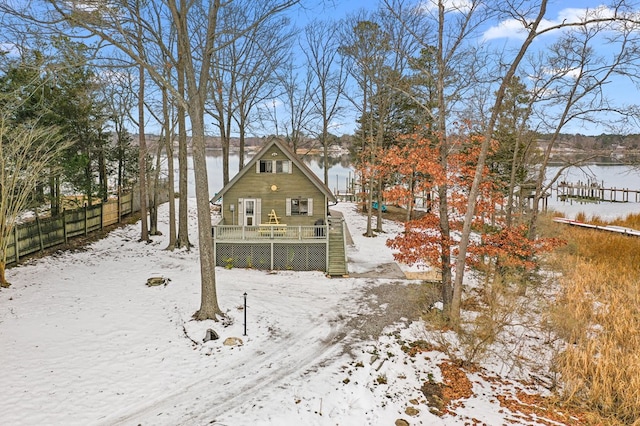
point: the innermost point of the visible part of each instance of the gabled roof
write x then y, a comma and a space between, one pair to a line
251, 165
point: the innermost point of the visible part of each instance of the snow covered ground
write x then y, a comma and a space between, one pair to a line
86, 342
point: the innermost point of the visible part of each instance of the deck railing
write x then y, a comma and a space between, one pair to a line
269, 232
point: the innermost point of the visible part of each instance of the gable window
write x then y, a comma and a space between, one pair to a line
282, 166
266, 166
299, 207
273, 166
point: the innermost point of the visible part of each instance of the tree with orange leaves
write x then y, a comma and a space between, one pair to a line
424, 241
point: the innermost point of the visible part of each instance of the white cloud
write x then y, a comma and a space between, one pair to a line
9, 48
512, 28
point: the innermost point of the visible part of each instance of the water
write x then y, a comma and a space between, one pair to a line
341, 174
608, 176
340, 171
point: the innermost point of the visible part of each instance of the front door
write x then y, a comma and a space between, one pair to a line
249, 212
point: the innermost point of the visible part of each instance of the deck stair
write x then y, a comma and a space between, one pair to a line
337, 259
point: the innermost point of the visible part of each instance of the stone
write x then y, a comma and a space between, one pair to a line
154, 281
233, 341
402, 422
211, 335
410, 411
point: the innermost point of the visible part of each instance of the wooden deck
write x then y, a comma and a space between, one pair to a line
230, 233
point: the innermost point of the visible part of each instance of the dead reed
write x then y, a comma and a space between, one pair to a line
598, 316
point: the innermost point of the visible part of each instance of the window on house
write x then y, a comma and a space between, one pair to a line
273, 166
282, 166
299, 207
266, 166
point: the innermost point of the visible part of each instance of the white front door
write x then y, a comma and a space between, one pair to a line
249, 212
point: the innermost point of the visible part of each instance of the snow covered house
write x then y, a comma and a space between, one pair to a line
275, 216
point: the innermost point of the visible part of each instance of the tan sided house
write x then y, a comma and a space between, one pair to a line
275, 216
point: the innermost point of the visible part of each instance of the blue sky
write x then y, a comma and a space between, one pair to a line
496, 33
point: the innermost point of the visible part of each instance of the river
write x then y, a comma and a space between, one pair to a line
607, 176
341, 173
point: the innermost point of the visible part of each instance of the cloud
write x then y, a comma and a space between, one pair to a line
512, 28
10, 49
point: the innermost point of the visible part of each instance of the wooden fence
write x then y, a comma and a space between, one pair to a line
43, 233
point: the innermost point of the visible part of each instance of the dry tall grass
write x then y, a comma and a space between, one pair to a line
598, 315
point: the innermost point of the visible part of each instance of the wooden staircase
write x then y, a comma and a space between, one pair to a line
337, 249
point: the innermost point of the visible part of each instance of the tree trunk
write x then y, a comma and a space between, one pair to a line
102, 171
155, 200
168, 130
224, 140
379, 212
477, 179
241, 149
142, 158
3, 280
209, 308
325, 153
183, 214
512, 183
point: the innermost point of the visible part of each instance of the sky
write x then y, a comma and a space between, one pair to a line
506, 32
503, 33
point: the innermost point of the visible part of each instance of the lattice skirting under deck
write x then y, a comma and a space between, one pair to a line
273, 256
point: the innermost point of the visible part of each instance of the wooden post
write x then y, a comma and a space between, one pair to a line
119, 204
86, 221
64, 225
16, 241
39, 232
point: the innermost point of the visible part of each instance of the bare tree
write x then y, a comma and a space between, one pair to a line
576, 92
197, 32
183, 223
298, 104
323, 59
168, 130
29, 153
244, 72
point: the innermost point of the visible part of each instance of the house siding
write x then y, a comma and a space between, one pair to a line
289, 185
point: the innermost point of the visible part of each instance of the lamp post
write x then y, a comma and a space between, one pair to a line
245, 314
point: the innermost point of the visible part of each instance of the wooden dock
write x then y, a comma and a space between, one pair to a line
609, 228
592, 191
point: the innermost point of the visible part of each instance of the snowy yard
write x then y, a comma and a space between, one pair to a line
86, 342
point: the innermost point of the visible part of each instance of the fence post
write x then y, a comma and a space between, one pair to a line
64, 225
86, 221
102, 215
39, 232
15, 239
119, 204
